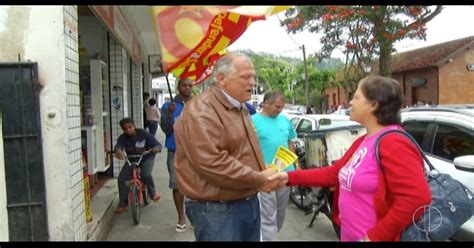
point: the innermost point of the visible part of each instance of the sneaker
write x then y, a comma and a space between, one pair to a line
181, 228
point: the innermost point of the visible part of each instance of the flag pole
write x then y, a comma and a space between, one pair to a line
169, 87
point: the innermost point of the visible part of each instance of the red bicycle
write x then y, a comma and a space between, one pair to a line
138, 191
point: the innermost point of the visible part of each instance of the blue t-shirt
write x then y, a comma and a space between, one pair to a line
142, 139
167, 123
273, 133
251, 108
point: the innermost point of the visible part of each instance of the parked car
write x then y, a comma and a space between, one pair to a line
306, 123
342, 111
291, 112
446, 135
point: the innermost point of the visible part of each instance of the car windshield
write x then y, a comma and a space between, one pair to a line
470, 110
339, 123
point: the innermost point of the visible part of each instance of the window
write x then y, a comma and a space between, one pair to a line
294, 121
452, 141
417, 129
304, 126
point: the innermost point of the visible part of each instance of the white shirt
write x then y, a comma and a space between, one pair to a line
233, 101
153, 113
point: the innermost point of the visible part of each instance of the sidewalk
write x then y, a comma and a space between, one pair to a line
106, 199
158, 220
102, 208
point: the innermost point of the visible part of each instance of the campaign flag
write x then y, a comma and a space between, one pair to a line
192, 38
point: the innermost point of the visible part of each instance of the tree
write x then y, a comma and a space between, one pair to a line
362, 31
319, 81
273, 73
277, 73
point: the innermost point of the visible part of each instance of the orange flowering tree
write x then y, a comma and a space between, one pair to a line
362, 31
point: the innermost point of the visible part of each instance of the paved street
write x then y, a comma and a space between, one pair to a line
159, 219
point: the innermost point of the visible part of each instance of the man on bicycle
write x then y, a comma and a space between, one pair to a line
135, 141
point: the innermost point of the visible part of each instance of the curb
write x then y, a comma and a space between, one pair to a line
103, 207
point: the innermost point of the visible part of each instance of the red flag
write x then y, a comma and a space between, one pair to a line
193, 38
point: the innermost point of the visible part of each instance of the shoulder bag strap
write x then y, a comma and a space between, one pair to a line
379, 139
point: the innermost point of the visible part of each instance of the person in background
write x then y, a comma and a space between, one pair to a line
273, 130
146, 97
251, 108
371, 204
135, 141
219, 165
153, 116
420, 103
309, 110
170, 112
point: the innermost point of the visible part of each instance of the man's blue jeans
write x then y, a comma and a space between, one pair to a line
237, 220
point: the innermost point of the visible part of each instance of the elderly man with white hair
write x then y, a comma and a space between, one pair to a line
219, 165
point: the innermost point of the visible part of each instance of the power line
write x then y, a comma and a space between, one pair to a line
286, 31
288, 51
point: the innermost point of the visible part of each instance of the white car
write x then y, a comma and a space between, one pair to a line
290, 113
306, 123
446, 135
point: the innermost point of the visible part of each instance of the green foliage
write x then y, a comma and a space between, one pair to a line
330, 64
278, 73
362, 31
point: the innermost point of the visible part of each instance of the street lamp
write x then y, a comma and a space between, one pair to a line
303, 76
293, 83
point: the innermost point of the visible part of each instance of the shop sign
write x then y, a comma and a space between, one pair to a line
106, 13
123, 30
118, 25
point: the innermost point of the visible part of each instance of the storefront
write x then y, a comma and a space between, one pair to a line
86, 74
111, 86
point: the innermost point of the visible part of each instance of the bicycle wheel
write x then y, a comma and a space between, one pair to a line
135, 203
300, 196
146, 196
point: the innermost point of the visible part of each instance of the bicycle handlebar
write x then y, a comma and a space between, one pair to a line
135, 156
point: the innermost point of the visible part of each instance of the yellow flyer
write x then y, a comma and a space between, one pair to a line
283, 159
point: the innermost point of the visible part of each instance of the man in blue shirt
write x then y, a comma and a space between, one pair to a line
170, 112
274, 130
135, 141
251, 108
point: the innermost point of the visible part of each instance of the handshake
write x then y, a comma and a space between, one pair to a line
273, 180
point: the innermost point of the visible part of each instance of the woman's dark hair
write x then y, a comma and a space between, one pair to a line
388, 94
125, 121
152, 101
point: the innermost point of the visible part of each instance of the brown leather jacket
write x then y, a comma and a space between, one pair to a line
218, 154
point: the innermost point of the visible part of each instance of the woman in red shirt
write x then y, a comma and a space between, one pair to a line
371, 204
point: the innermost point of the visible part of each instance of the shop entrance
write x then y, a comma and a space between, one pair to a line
94, 86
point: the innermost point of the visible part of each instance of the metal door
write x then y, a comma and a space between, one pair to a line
24, 171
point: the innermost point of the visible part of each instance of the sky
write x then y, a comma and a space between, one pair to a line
452, 23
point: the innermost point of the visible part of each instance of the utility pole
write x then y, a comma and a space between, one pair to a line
305, 77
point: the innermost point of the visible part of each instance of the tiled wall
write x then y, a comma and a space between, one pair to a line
137, 102
117, 86
76, 185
